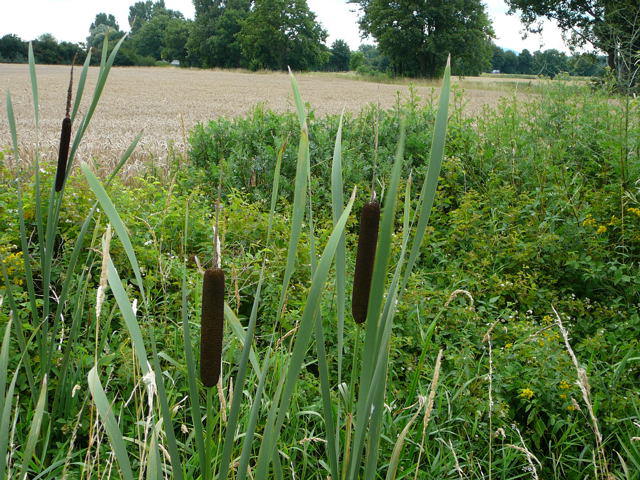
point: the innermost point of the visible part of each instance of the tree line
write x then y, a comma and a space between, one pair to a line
412, 38
548, 63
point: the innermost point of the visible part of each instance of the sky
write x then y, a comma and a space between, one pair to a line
70, 19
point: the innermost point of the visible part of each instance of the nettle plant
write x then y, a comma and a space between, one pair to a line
237, 416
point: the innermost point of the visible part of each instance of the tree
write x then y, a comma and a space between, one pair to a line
525, 62
176, 37
612, 26
340, 56
510, 64
142, 12
283, 33
497, 60
213, 41
12, 49
149, 40
418, 36
550, 62
103, 24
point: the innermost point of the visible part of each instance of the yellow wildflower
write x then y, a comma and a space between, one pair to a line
526, 393
564, 385
601, 229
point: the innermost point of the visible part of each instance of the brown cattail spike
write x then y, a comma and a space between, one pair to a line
367, 242
63, 153
212, 326
65, 140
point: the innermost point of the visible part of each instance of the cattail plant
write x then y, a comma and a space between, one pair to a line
212, 320
367, 241
65, 140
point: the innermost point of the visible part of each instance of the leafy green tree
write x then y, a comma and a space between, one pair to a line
525, 62
356, 61
149, 40
586, 65
497, 59
374, 59
510, 64
141, 12
176, 37
144, 11
612, 26
213, 41
12, 49
418, 36
283, 33
550, 62
102, 25
340, 56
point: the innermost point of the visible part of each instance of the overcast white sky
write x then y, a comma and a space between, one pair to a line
70, 19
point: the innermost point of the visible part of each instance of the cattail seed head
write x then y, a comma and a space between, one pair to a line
367, 242
212, 326
65, 138
63, 153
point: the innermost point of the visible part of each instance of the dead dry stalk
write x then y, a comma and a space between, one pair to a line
585, 389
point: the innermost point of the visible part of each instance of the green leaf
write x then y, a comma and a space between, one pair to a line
110, 424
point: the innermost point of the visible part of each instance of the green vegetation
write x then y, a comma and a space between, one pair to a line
548, 63
417, 36
495, 239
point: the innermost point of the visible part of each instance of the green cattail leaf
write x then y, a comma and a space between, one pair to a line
374, 325
337, 206
279, 410
116, 221
154, 465
24, 241
174, 453
81, 82
34, 86
105, 68
5, 422
34, 430
110, 424
430, 185
299, 203
245, 455
194, 394
4, 362
129, 316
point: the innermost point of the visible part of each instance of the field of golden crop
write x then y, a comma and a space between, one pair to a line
167, 102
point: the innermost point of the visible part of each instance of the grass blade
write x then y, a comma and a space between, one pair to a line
34, 431
110, 424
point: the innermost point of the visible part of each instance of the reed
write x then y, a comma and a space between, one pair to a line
367, 242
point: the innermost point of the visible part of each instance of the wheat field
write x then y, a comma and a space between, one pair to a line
167, 102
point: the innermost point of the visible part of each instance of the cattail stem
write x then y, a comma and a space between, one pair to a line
367, 243
212, 326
